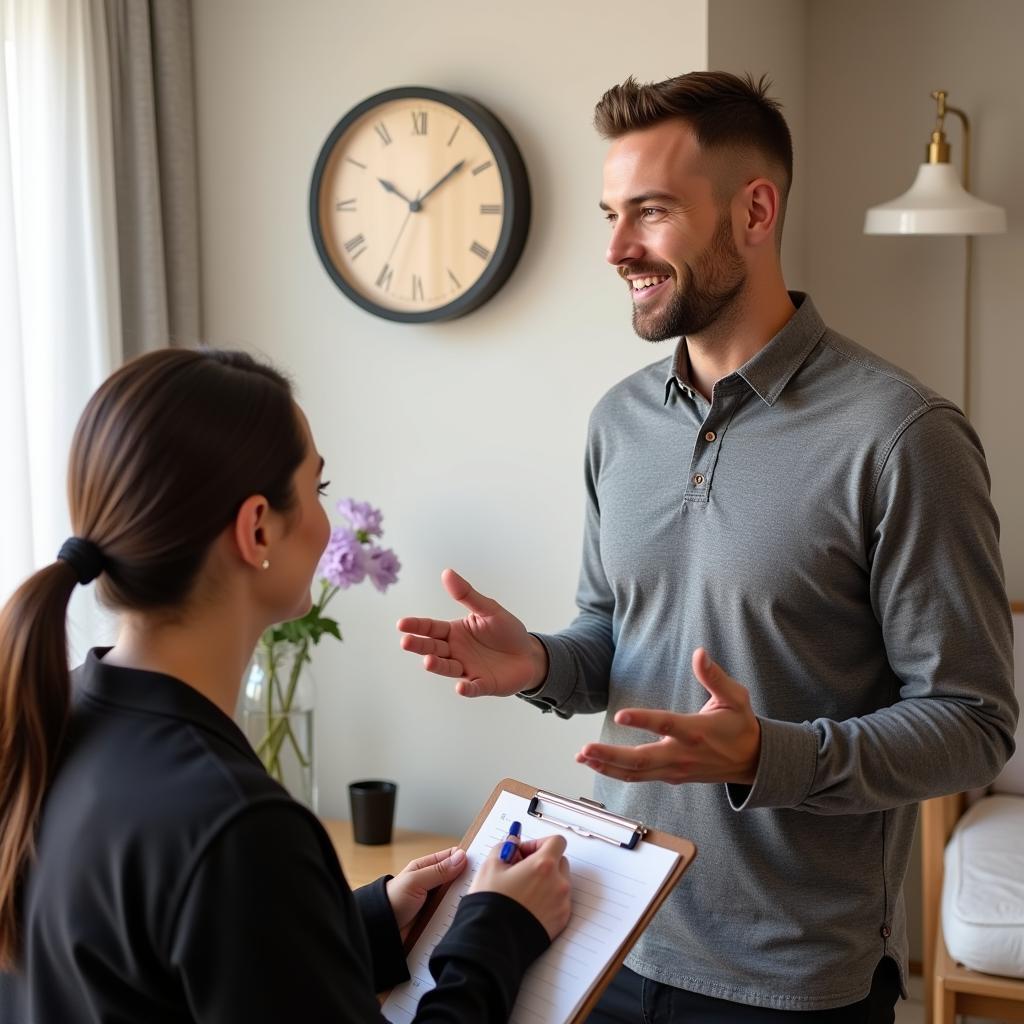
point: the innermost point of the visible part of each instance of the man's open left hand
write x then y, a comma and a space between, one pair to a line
721, 743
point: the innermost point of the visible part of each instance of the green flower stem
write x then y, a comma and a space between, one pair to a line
271, 735
280, 735
295, 744
279, 728
271, 759
301, 657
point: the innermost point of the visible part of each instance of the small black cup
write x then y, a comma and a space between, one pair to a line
373, 811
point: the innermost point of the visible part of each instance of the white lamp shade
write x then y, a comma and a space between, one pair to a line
936, 204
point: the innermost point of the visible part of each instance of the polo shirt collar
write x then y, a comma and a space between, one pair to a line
770, 370
679, 374
155, 693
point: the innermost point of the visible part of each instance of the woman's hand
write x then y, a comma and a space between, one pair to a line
407, 891
539, 880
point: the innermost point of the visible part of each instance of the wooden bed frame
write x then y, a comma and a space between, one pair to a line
949, 987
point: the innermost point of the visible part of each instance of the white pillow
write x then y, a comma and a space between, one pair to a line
983, 888
1011, 779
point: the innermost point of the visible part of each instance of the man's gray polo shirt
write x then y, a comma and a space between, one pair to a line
824, 529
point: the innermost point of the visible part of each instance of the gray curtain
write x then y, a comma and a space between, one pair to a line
155, 171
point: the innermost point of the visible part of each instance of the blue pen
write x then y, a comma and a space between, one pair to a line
511, 844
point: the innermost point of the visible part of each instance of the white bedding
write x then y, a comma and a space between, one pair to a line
983, 888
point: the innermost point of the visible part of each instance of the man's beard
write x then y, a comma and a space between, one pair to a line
710, 289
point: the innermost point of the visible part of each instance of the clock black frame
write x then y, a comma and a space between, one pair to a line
517, 202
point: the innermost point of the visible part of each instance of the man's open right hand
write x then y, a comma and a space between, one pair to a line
489, 651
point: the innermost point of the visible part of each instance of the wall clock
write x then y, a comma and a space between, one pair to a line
419, 204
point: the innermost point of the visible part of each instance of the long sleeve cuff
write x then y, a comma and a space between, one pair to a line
785, 771
389, 966
560, 682
492, 937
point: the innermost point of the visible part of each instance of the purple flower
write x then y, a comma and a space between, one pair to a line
362, 515
344, 561
382, 566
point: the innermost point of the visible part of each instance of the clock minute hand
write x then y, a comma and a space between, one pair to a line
438, 184
414, 204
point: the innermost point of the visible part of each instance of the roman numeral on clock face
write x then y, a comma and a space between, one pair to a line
356, 246
482, 167
345, 206
490, 208
384, 277
480, 251
419, 122
417, 288
382, 130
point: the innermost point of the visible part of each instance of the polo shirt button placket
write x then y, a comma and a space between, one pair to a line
698, 479
703, 455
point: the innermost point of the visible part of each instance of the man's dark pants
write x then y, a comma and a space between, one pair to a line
631, 999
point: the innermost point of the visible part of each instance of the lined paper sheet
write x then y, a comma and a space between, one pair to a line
611, 889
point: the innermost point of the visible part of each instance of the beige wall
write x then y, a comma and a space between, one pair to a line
871, 67
770, 39
469, 435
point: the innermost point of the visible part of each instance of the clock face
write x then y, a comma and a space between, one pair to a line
419, 205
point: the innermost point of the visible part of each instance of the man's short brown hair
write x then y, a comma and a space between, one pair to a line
725, 112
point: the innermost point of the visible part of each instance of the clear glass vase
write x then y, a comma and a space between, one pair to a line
277, 716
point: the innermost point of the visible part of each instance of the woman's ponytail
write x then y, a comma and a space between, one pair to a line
34, 703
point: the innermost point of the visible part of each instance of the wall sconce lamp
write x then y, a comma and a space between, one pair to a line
939, 204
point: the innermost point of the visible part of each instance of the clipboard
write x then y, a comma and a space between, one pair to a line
592, 822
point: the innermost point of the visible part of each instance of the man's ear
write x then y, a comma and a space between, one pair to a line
762, 207
253, 532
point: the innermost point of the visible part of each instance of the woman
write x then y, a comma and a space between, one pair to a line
150, 870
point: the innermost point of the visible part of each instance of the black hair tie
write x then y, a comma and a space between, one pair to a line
83, 556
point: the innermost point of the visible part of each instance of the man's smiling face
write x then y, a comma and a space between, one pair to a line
672, 239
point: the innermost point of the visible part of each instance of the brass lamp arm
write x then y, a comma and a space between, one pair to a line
938, 148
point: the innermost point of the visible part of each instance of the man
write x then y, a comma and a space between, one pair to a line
780, 500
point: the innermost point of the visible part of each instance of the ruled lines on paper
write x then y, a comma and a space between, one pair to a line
611, 889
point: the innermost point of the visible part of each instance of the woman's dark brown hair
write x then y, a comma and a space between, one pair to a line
163, 456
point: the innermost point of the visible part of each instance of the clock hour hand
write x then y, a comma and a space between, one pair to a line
438, 184
414, 204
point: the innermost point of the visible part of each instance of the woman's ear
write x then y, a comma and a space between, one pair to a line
253, 531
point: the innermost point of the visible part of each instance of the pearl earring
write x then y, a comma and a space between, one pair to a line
265, 564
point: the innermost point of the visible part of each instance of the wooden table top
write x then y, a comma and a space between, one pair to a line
362, 864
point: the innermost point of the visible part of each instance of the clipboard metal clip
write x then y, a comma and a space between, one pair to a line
616, 830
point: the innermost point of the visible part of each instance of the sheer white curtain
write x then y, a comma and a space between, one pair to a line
60, 321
